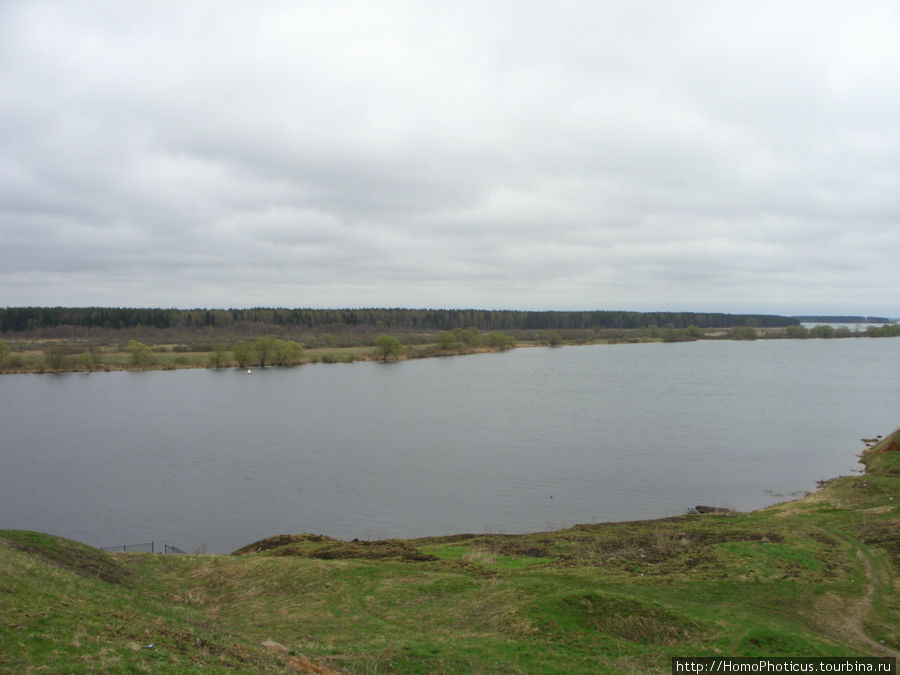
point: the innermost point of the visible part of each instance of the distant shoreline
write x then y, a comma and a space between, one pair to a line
165, 349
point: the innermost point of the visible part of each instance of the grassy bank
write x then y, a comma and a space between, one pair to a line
170, 349
68, 355
162, 351
812, 577
32, 358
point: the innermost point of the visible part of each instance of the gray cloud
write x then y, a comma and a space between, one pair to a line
643, 155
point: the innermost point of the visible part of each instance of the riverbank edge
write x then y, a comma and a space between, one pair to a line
337, 355
175, 356
812, 576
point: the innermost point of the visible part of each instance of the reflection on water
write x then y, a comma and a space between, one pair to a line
525, 440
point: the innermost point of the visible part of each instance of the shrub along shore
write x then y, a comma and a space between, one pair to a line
813, 577
67, 348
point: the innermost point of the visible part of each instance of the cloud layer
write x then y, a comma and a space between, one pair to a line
613, 155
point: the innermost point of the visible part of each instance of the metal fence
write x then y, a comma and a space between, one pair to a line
149, 547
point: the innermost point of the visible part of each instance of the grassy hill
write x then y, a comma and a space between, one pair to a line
812, 577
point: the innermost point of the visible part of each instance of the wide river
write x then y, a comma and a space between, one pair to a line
527, 440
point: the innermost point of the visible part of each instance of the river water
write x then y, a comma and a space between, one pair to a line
526, 440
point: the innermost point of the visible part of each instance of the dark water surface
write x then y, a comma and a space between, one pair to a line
527, 440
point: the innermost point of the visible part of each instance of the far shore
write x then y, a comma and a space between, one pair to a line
81, 355
121, 351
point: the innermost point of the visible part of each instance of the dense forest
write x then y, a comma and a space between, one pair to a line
843, 319
36, 319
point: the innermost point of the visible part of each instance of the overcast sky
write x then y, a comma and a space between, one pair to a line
687, 156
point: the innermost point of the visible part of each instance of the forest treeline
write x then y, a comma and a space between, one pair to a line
35, 319
843, 319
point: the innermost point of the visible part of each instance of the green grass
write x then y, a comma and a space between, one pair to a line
69, 608
813, 577
339, 354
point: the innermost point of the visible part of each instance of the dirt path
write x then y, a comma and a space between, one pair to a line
848, 619
861, 609
300, 664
